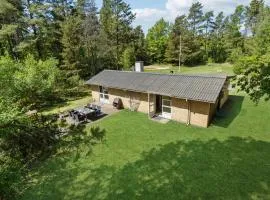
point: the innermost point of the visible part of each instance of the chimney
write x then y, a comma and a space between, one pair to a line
139, 67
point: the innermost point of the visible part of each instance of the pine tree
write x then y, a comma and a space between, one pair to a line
208, 28
195, 18
139, 44
90, 40
254, 14
217, 49
73, 50
116, 19
11, 31
233, 36
190, 49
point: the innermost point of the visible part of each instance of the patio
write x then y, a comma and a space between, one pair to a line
104, 111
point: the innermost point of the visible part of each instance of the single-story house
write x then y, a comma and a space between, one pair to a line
191, 99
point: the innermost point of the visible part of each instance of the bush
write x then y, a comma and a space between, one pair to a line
235, 55
28, 82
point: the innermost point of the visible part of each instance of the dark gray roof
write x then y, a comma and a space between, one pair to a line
204, 88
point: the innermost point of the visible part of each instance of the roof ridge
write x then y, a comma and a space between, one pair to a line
158, 73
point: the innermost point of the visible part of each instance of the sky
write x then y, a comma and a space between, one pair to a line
149, 11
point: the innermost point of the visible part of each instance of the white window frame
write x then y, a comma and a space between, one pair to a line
166, 114
103, 95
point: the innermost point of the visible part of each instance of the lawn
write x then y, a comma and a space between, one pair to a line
211, 68
142, 159
67, 105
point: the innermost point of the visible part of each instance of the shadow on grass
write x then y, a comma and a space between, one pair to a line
225, 116
233, 169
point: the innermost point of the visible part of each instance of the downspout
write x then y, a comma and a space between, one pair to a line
130, 105
188, 115
149, 106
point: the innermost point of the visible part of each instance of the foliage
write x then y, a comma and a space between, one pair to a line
156, 41
139, 44
254, 71
116, 18
195, 17
128, 58
254, 76
28, 82
72, 47
190, 49
262, 39
27, 141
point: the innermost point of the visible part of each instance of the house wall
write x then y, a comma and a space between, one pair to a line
225, 93
179, 110
213, 109
137, 101
95, 93
129, 99
200, 113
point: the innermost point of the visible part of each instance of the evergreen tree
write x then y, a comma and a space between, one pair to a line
195, 18
233, 36
72, 46
217, 50
139, 44
116, 19
11, 30
208, 28
262, 37
90, 40
254, 14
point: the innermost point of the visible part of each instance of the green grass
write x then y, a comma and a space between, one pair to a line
142, 159
200, 69
67, 105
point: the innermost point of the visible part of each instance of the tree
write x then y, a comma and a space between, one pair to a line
157, 39
208, 28
139, 44
30, 82
195, 18
217, 50
262, 37
90, 39
233, 36
254, 71
11, 13
72, 47
254, 76
128, 58
254, 15
116, 19
188, 46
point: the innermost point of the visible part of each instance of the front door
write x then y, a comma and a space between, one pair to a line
166, 107
103, 95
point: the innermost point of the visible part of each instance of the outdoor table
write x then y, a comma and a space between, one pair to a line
85, 111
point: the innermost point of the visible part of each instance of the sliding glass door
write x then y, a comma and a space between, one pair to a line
103, 95
166, 107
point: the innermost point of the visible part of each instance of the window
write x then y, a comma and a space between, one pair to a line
166, 109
